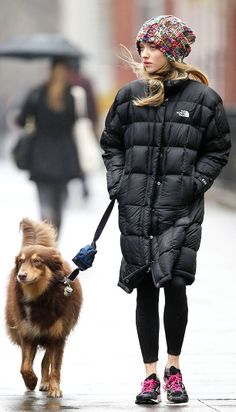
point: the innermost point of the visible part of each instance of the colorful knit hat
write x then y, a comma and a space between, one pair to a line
171, 35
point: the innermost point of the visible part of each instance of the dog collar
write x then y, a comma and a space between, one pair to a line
67, 282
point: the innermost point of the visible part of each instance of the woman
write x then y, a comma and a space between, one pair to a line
165, 141
54, 160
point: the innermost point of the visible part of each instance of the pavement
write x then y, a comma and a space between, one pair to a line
222, 195
102, 368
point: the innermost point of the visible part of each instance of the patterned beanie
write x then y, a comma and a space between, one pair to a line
171, 35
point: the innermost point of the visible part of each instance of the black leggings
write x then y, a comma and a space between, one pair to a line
147, 317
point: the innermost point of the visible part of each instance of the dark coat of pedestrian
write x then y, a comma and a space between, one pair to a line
165, 141
54, 158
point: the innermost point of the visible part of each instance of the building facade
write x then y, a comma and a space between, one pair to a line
102, 25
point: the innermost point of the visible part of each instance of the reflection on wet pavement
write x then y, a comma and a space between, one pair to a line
32, 401
35, 401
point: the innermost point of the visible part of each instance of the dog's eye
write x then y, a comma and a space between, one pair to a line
37, 262
20, 261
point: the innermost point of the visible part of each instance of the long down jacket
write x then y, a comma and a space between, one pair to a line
160, 162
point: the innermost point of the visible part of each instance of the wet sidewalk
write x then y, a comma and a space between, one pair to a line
102, 367
33, 402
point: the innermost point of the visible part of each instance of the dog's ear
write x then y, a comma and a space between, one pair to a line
37, 233
17, 263
53, 260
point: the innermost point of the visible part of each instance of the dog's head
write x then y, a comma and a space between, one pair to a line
38, 264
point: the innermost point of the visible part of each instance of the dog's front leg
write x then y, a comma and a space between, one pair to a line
56, 355
45, 371
28, 355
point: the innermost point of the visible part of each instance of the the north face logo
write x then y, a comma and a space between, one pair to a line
183, 113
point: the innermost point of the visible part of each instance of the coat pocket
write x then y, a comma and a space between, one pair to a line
121, 187
198, 187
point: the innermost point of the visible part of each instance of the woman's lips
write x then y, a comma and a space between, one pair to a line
147, 63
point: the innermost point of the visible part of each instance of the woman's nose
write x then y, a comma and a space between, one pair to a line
145, 52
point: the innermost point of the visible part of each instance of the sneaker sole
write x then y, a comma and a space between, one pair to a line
148, 401
177, 401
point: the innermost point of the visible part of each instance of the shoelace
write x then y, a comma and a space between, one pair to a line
149, 385
174, 383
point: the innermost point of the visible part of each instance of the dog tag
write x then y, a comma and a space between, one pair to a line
68, 290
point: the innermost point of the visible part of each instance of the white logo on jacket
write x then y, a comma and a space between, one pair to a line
183, 113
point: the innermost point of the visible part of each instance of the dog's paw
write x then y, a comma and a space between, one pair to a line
54, 392
30, 379
44, 386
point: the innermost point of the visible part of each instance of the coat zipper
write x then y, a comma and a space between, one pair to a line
157, 181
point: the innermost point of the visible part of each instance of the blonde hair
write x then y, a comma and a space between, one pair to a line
155, 81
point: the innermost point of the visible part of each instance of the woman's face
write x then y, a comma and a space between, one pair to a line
59, 73
152, 58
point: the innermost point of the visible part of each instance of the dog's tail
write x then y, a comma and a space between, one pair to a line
37, 233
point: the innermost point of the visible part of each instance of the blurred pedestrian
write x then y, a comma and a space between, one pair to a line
86, 132
77, 78
54, 160
165, 141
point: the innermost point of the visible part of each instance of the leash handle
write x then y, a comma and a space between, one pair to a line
73, 274
103, 222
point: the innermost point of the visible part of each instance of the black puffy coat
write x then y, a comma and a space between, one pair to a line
159, 162
54, 156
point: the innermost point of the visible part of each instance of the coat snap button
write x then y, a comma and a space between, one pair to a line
158, 183
151, 237
126, 280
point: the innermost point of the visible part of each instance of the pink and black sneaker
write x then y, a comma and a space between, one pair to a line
150, 393
176, 392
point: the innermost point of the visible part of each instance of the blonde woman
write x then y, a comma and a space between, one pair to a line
165, 141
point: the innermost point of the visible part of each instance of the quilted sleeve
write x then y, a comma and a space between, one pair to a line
112, 144
214, 150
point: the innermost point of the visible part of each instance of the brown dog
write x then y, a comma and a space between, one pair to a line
38, 313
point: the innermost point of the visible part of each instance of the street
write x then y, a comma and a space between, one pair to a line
102, 367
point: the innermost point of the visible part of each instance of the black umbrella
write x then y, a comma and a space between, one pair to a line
37, 46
